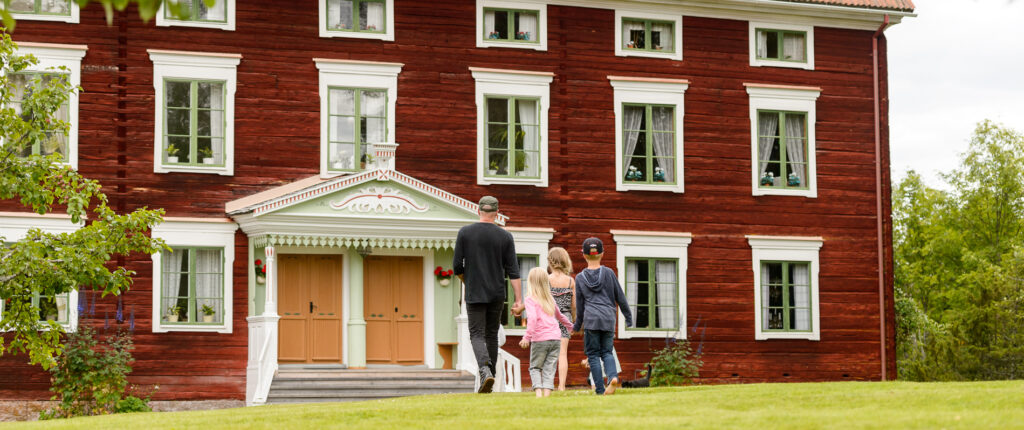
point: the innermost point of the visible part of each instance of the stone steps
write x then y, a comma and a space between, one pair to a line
310, 385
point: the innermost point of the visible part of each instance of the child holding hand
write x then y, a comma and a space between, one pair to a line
542, 333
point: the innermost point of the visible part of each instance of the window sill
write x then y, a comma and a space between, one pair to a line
166, 22
626, 52
194, 328
484, 43
71, 19
488, 180
514, 331
215, 170
656, 334
779, 63
809, 193
788, 335
386, 36
626, 186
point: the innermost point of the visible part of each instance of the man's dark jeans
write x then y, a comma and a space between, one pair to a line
597, 344
484, 320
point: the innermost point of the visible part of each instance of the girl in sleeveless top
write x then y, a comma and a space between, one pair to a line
563, 288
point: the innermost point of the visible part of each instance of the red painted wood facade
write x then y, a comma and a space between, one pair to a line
277, 142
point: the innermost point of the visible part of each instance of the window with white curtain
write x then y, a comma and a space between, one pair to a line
507, 24
781, 45
652, 270
786, 286
53, 142
195, 13
645, 34
357, 118
368, 19
782, 140
649, 138
51, 59
43, 10
512, 126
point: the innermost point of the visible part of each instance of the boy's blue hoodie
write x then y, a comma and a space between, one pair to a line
597, 293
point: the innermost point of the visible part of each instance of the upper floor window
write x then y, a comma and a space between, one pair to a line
194, 111
652, 270
648, 35
366, 19
649, 143
520, 24
195, 13
782, 145
781, 45
786, 287
512, 109
54, 141
43, 10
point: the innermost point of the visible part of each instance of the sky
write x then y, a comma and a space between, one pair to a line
955, 64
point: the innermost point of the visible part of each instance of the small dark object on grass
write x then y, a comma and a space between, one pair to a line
641, 382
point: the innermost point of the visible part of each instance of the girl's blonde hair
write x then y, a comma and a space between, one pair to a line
558, 259
537, 287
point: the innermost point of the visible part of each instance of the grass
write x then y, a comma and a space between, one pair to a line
867, 405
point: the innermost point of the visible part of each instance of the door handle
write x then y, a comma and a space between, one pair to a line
396, 308
310, 307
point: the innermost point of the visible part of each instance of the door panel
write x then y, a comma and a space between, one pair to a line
325, 294
410, 310
378, 310
293, 291
309, 287
393, 306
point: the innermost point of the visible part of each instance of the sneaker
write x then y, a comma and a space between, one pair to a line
486, 381
612, 384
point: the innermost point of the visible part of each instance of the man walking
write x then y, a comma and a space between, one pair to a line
485, 255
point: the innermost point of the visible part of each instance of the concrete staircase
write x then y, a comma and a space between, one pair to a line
318, 384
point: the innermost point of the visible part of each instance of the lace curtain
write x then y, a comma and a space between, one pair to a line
372, 16
628, 27
793, 46
666, 287
661, 36
765, 312
631, 133
767, 126
664, 143
527, 110
802, 294
174, 265
631, 285
209, 281
795, 150
528, 24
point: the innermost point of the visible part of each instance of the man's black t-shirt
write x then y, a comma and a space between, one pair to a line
486, 254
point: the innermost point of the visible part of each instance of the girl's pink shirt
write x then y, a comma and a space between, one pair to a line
540, 326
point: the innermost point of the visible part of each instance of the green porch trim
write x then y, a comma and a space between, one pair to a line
350, 241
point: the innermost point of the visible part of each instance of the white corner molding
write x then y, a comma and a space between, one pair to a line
808, 30
201, 66
786, 248
354, 74
790, 99
677, 34
539, 6
387, 35
228, 24
653, 244
198, 232
51, 58
71, 18
514, 83
648, 91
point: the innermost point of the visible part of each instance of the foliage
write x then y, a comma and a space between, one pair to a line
959, 259
147, 9
90, 379
46, 264
676, 364
132, 404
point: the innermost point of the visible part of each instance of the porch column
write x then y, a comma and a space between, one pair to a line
270, 305
356, 323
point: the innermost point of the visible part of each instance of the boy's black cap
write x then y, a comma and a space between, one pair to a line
593, 246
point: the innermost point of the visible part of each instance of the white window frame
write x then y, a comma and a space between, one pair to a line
677, 35
784, 98
387, 35
14, 226
786, 248
70, 19
809, 41
530, 241
213, 233
51, 57
648, 91
194, 65
511, 83
653, 244
227, 25
355, 74
542, 23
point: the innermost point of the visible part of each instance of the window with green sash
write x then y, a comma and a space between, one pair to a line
648, 35
649, 140
785, 296
781, 45
194, 122
192, 286
196, 10
54, 141
39, 7
511, 25
513, 137
652, 291
51, 308
509, 320
782, 149
356, 15
357, 117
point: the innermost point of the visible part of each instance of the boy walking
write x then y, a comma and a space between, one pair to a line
597, 293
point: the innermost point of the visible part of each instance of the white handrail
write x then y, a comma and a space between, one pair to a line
266, 373
509, 373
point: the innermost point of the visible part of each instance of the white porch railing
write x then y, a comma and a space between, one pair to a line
509, 377
262, 358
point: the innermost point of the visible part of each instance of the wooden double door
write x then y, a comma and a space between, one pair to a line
310, 306
393, 309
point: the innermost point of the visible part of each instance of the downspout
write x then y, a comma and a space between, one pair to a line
878, 195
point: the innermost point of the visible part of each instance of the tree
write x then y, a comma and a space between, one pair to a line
147, 9
44, 264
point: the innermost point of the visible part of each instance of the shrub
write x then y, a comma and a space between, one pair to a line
676, 364
132, 404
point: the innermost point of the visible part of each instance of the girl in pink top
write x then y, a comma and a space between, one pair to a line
542, 333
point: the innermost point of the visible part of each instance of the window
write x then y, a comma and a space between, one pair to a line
781, 45
365, 19
51, 308
782, 140
55, 62
512, 111
648, 35
532, 250
785, 287
508, 319
509, 24
195, 99
648, 126
43, 10
652, 271
195, 13
192, 283
651, 288
357, 109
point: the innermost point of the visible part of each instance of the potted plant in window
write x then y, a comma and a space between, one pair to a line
172, 153
207, 155
172, 313
208, 313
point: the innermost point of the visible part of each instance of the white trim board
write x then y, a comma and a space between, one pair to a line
227, 25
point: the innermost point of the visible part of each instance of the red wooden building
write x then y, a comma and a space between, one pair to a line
316, 160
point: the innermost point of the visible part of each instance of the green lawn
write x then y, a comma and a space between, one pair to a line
994, 405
